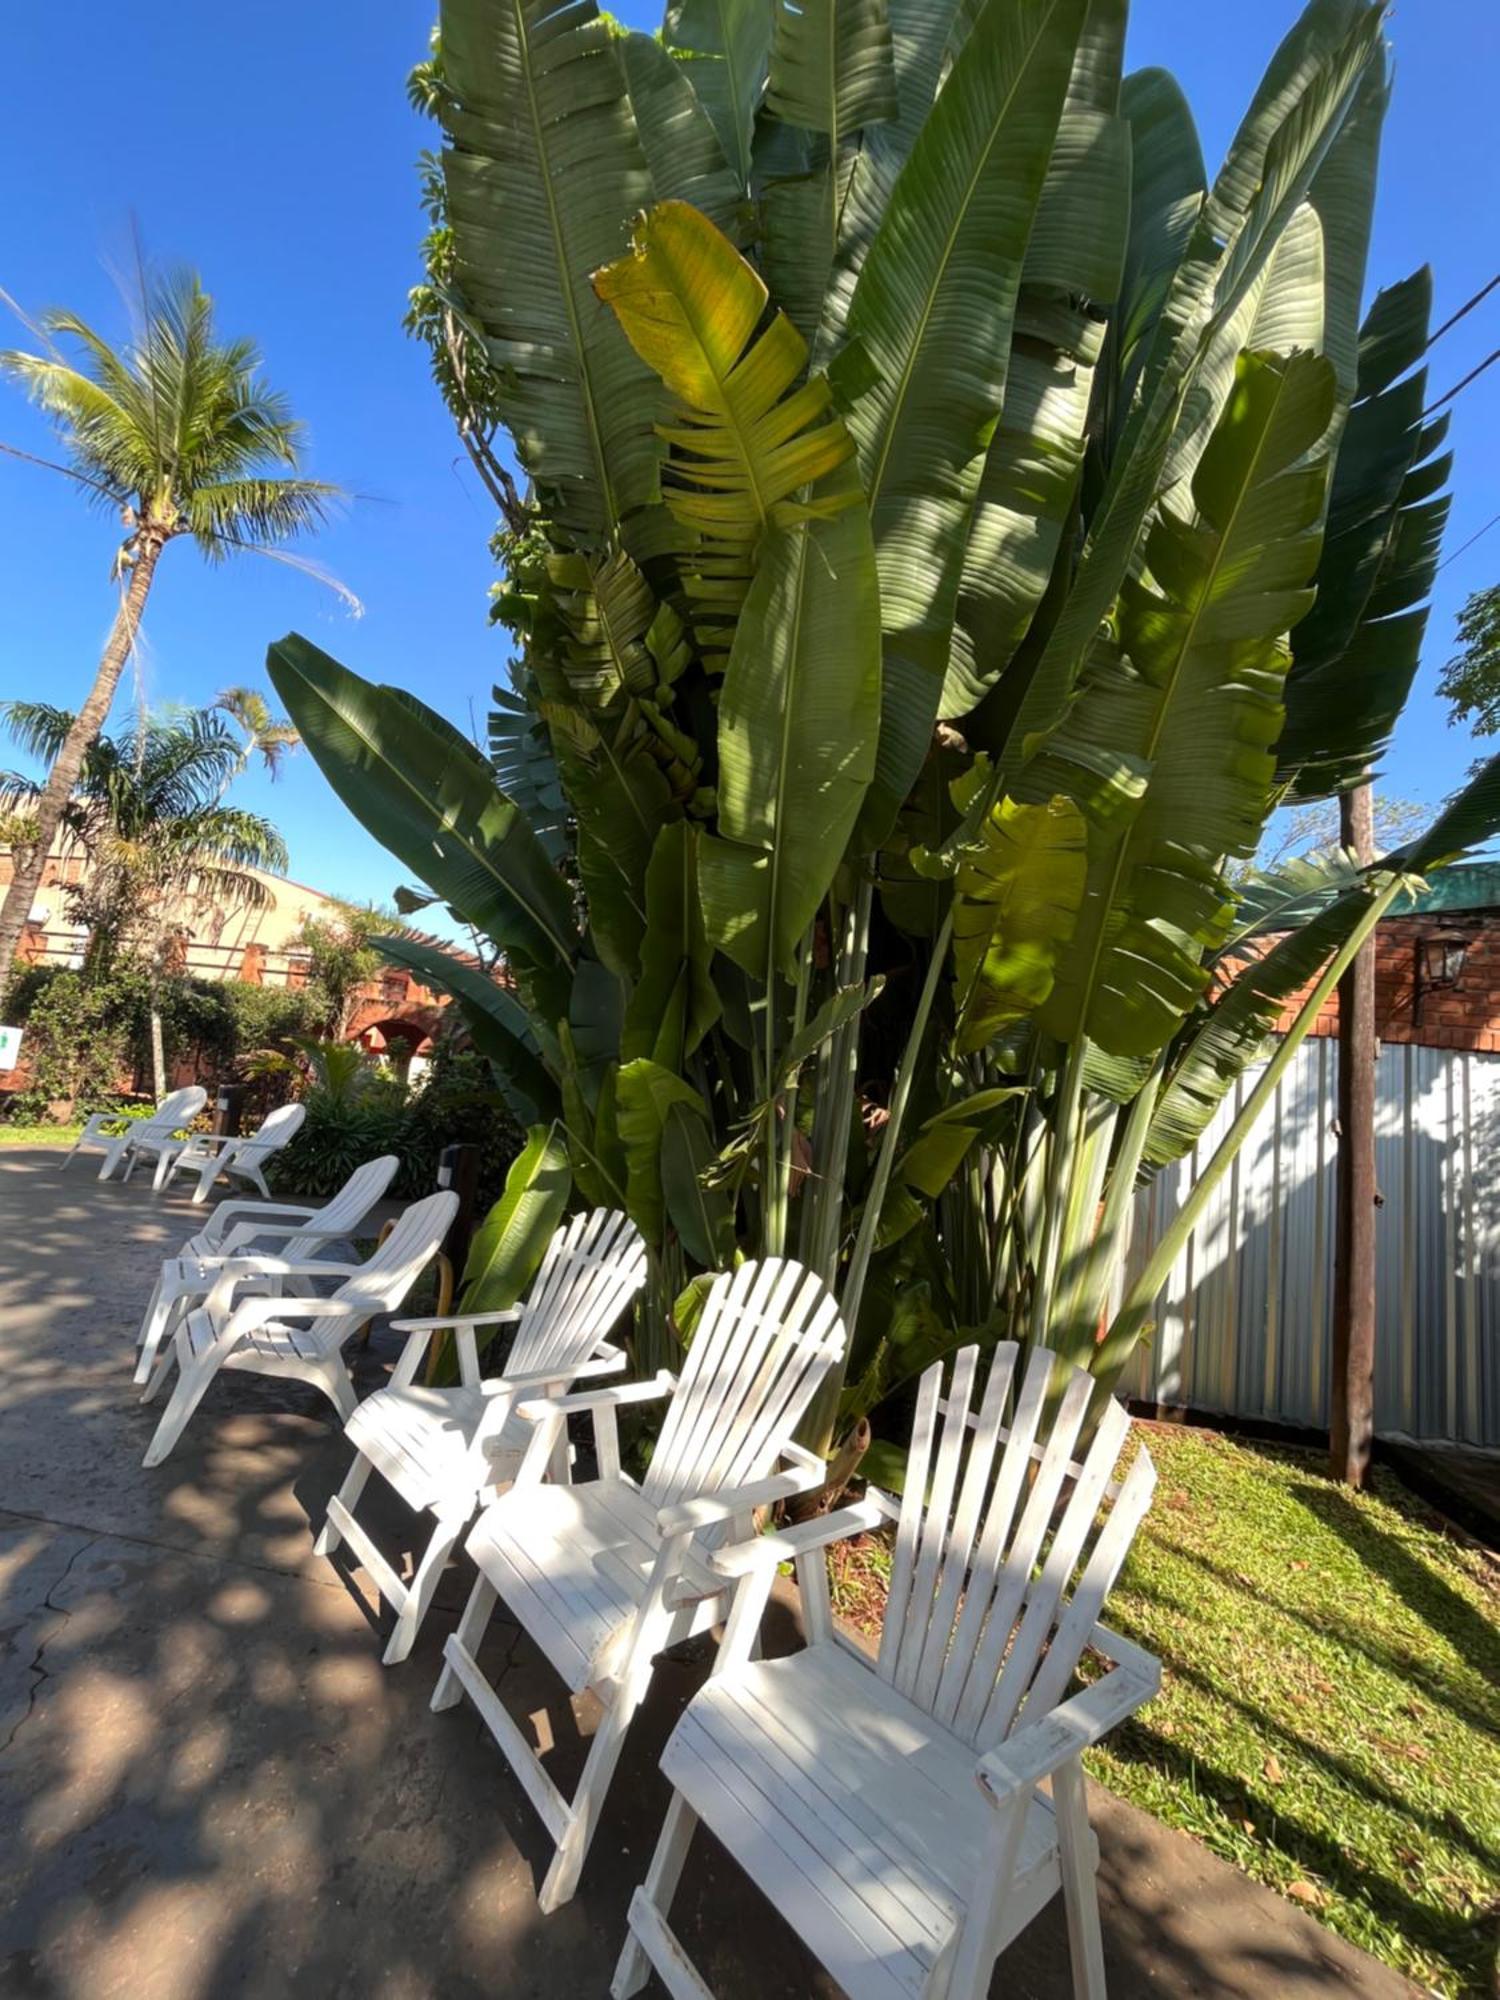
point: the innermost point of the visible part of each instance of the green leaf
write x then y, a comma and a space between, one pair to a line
1017, 894
1468, 820
508, 1245
543, 174
674, 1003
1167, 189
1193, 697
724, 47
1071, 276
497, 1023
678, 136
668, 1142
1355, 655
798, 718
929, 335
750, 431
428, 796
1307, 93
831, 66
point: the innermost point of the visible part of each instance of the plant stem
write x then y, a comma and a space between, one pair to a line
1125, 1330
864, 1243
1065, 1151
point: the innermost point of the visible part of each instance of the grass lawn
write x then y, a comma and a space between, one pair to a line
38, 1135
1331, 1696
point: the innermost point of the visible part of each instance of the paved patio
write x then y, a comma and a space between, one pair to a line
210, 1787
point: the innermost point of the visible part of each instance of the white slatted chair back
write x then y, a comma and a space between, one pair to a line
384, 1280
994, 1591
591, 1270
768, 1333
277, 1129
343, 1214
177, 1108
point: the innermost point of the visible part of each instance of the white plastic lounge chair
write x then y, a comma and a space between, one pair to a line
889, 1808
141, 1135
296, 1337
254, 1235
605, 1575
444, 1449
240, 1158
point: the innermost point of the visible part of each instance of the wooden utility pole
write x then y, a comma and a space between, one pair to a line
1352, 1389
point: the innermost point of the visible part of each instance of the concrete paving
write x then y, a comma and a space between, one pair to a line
211, 1790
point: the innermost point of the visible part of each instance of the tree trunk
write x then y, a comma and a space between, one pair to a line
64, 773
1352, 1389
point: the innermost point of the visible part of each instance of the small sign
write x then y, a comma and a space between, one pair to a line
10, 1047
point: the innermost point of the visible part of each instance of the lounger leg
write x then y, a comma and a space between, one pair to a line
143, 1333
165, 1166
112, 1151
478, 1612
254, 1173
588, 1801
420, 1590
160, 1316
355, 1479
1080, 1891
208, 1173
658, 1888
185, 1398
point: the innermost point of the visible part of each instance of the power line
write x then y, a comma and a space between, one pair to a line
1472, 376
1468, 307
1493, 521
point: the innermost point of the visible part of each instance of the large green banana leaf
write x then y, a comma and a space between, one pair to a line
677, 135
508, 1245
668, 1145
1167, 190
526, 769
429, 796
498, 1024
1016, 896
674, 1003
1190, 700
1070, 278
929, 329
724, 47
544, 171
750, 433
1307, 93
1355, 654
831, 66
798, 719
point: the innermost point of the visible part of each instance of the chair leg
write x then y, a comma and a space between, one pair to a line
355, 1480
185, 1398
113, 1148
472, 1627
658, 1889
419, 1592
143, 1332
157, 1327
165, 1167
208, 1173
588, 1801
252, 1172
1080, 1890
165, 1356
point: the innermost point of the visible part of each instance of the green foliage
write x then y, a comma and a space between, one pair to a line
80, 1037
933, 491
1470, 682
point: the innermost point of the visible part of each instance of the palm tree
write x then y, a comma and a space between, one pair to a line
179, 434
263, 733
149, 813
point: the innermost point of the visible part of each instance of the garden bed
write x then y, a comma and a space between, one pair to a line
1330, 1700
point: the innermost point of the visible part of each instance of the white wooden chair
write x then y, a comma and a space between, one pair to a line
242, 1233
300, 1338
236, 1159
605, 1575
444, 1449
142, 1137
889, 1807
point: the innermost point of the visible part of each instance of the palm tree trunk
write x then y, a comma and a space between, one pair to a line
63, 776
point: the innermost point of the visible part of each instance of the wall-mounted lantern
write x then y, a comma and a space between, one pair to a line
1440, 964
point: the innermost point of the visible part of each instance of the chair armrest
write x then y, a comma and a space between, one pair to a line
606, 1360
244, 1233
253, 1312
454, 1319
255, 1269
1038, 1749
95, 1124
706, 1510
786, 1544
227, 1210
661, 1384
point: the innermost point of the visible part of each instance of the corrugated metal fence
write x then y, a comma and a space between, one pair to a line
1243, 1325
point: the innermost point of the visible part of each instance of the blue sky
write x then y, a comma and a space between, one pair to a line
280, 162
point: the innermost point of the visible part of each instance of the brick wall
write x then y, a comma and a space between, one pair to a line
1407, 1009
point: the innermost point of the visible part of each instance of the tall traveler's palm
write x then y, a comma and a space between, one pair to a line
180, 434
